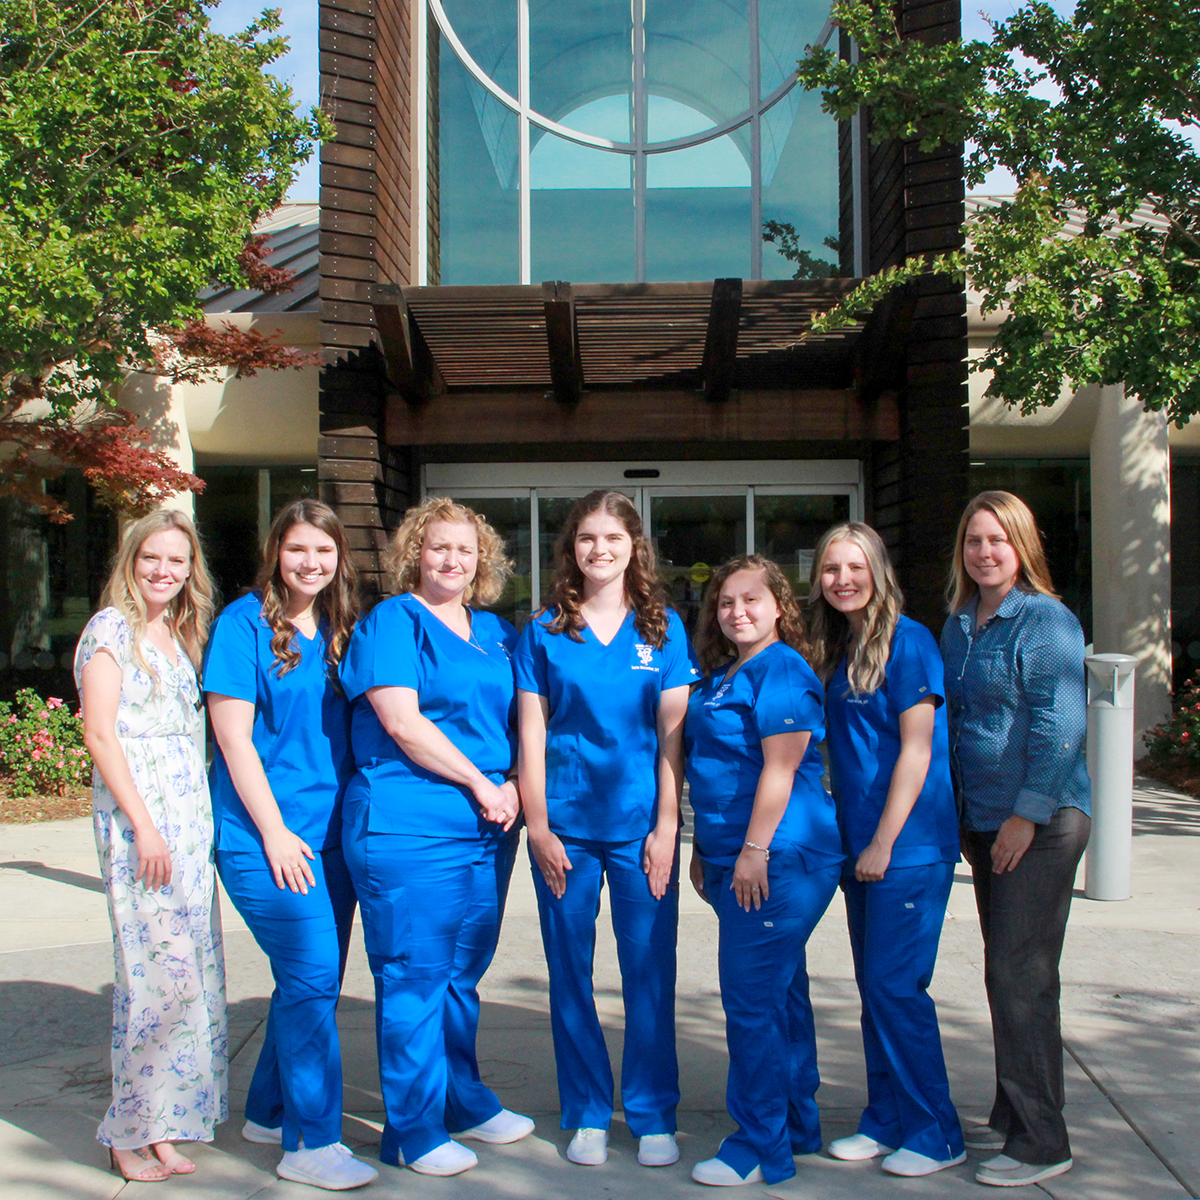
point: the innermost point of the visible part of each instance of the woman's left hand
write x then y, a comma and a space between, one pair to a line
873, 863
1012, 840
658, 860
507, 809
750, 878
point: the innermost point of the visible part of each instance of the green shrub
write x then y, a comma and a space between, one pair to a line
41, 746
1177, 742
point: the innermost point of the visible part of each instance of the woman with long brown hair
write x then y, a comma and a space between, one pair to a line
603, 677
282, 763
766, 857
136, 668
1017, 704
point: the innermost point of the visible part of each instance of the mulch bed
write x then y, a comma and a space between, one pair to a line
1184, 777
24, 810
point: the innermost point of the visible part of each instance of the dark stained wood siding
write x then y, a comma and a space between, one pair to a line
367, 237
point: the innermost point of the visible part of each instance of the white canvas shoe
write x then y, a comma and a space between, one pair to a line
262, 1135
500, 1130
589, 1147
447, 1159
658, 1150
331, 1167
911, 1164
857, 1148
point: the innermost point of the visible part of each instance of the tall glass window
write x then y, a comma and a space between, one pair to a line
623, 140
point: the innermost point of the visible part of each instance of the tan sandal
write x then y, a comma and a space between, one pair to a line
175, 1162
152, 1172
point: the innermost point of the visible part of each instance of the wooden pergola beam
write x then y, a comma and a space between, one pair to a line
721, 340
410, 364
562, 341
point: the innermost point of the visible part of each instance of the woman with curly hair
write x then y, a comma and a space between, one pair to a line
889, 757
766, 856
603, 677
428, 826
282, 763
136, 669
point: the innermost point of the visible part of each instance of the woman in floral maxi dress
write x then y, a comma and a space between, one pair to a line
136, 669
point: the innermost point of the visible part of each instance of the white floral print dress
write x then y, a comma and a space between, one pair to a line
169, 1044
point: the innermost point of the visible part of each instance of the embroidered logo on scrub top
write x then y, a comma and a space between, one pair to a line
645, 660
717, 696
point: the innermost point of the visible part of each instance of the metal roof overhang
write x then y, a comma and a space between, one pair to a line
725, 358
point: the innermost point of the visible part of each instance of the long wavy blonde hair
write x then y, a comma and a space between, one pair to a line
712, 647
829, 630
1017, 521
189, 614
402, 560
336, 603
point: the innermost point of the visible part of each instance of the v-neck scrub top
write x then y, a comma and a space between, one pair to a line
602, 735
464, 687
301, 730
775, 692
864, 744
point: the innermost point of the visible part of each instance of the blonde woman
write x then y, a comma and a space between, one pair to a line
889, 758
136, 668
427, 826
1017, 703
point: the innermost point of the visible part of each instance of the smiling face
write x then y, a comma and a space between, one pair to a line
989, 557
747, 612
603, 549
846, 581
449, 560
161, 567
308, 561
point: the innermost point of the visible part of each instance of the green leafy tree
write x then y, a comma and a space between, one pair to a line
137, 149
1120, 300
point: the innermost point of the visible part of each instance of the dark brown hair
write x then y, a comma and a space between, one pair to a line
336, 603
712, 646
643, 591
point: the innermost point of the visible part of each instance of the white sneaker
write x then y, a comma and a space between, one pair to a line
447, 1159
331, 1167
589, 1147
858, 1148
911, 1164
262, 1135
500, 1130
717, 1173
658, 1150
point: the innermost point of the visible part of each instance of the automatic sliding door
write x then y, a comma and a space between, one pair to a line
509, 517
788, 527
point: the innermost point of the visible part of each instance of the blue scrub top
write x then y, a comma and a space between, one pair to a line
301, 730
864, 744
602, 736
464, 687
775, 692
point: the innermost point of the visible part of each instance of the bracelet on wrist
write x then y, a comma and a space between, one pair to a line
755, 846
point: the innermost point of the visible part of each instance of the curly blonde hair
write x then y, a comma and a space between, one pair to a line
712, 646
337, 603
828, 629
402, 560
189, 614
643, 592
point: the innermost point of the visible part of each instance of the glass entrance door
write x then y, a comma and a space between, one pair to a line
697, 515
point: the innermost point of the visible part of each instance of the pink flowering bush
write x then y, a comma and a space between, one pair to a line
41, 746
1177, 742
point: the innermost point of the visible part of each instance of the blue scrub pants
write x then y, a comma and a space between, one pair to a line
646, 931
297, 1083
895, 925
773, 1076
431, 912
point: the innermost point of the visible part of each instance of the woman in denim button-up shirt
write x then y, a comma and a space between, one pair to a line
1017, 707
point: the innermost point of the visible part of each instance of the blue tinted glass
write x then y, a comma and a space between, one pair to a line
581, 210
579, 51
785, 27
800, 178
699, 54
488, 32
475, 180
697, 233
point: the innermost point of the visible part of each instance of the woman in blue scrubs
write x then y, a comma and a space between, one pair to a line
889, 757
428, 826
603, 678
767, 858
281, 766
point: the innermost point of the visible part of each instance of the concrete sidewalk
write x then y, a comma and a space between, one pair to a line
1131, 977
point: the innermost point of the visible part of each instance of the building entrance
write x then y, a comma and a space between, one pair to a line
696, 514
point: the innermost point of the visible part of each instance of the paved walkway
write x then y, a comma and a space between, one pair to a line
1131, 976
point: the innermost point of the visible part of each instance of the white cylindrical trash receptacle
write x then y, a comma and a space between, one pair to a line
1110, 684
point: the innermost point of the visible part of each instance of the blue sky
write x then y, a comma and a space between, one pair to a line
300, 66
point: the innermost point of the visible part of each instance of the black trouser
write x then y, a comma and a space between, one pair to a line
1023, 915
